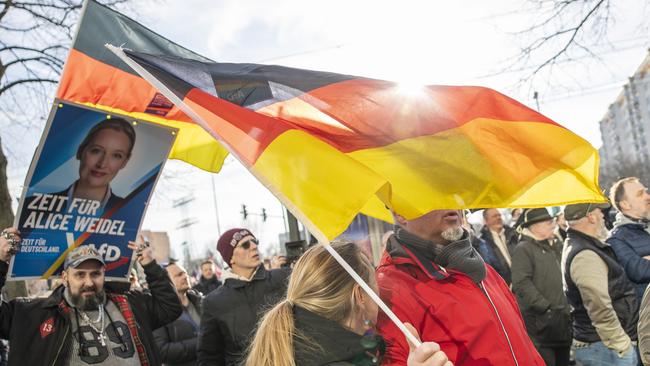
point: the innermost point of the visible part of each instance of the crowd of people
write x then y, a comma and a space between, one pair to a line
578, 285
544, 290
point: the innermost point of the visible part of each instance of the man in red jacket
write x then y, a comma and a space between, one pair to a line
431, 277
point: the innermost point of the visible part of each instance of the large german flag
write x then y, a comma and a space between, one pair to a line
334, 145
96, 77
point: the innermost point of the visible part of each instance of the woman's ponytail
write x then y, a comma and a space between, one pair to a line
273, 342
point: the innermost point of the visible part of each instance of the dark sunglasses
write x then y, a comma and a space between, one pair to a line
247, 244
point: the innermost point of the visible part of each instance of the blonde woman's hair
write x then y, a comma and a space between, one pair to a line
318, 284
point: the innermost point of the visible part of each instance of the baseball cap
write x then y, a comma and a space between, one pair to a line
580, 210
81, 254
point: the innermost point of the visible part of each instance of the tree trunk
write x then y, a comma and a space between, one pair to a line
12, 289
6, 213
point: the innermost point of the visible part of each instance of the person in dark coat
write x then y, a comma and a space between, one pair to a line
643, 328
486, 252
178, 341
208, 281
562, 225
502, 239
327, 319
630, 237
537, 282
231, 313
83, 321
604, 306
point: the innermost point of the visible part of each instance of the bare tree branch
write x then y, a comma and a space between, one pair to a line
23, 81
564, 31
42, 50
52, 6
559, 9
7, 4
13, 29
573, 31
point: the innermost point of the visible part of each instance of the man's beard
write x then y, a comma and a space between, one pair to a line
452, 234
602, 232
88, 303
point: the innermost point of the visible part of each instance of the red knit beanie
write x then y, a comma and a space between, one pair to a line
228, 241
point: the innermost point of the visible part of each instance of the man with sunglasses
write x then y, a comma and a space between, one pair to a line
231, 312
603, 301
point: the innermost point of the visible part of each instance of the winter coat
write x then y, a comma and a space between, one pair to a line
39, 330
500, 264
206, 286
631, 242
644, 328
231, 313
619, 288
474, 324
177, 342
486, 252
336, 345
537, 282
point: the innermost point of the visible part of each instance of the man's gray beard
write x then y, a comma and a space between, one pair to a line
602, 234
91, 303
452, 234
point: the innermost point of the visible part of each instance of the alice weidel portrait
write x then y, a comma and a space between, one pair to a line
104, 151
102, 154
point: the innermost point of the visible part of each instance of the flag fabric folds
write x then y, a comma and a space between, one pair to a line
96, 77
335, 145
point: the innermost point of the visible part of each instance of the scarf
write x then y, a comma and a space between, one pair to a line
458, 255
228, 274
625, 220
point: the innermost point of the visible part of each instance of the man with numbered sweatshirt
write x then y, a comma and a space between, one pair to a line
84, 322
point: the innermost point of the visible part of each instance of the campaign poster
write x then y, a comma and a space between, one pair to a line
88, 184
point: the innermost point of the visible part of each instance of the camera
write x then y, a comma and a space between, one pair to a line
293, 250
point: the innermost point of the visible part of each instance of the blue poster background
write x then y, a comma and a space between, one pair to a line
52, 219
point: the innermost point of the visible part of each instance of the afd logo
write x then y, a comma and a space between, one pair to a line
109, 252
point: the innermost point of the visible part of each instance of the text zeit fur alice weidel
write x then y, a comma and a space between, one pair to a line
57, 221
45, 214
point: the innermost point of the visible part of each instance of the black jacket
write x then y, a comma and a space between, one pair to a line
206, 286
336, 345
537, 282
177, 342
231, 313
621, 290
39, 329
501, 265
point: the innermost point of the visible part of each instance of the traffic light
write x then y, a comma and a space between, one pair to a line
244, 212
264, 214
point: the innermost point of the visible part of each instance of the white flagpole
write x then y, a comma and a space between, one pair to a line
287, 203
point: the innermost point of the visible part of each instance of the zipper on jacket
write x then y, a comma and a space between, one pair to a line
512, 352
67, 328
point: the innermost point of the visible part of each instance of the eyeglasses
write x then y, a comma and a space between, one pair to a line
247, 244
